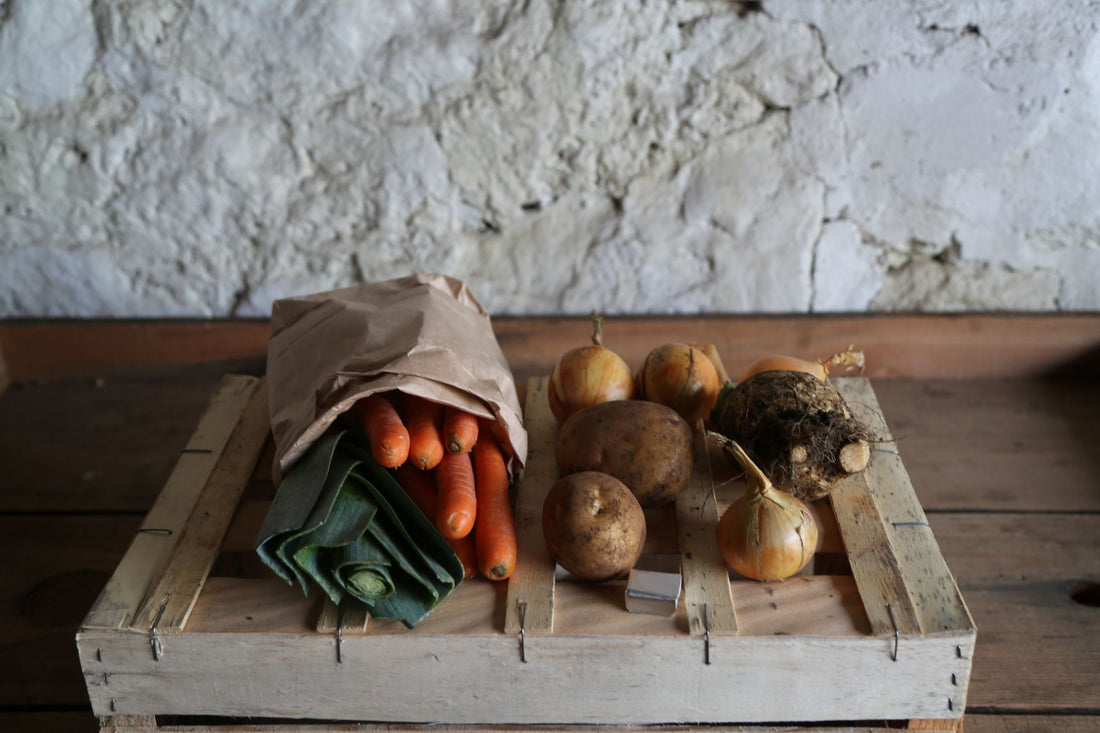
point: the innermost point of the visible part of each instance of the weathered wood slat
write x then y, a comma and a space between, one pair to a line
932, 591
345, 618
706, 586
897, 345
530, 598
151, 548
874, 563
167, 605
661, 680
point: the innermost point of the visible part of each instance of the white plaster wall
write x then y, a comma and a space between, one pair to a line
204, 157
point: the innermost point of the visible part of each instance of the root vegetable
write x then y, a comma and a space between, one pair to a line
495, 529
593, 525
588, 375
385, 431
798, 428
647, 446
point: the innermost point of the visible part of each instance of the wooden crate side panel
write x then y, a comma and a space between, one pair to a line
150, 549
530, 600
170, 601
936, 601
110, 725
566, 679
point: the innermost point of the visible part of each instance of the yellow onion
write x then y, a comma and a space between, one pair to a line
588, 375
682, 377
849, 362
767, 534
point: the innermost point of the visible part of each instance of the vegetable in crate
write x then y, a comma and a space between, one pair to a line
682, 377
593, 526
341, 521
767, 534
588, 375
646, 445
798, 429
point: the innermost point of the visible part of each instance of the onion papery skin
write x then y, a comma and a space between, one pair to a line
682, 377
588, 375
767, 535
785, 364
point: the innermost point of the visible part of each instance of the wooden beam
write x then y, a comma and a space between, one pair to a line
911, 345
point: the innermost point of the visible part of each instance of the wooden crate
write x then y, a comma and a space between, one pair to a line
193, 633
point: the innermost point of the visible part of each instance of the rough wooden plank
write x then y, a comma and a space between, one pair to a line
921, 345
993, 723
55, 566
874, 563
50, 721
345, 618
5, 380
924, 346
530, 598
151, 546
98, 445
167, 605
52, 350
987, 443
1037, 648
706, 586
932, 591
851, 678
444, 728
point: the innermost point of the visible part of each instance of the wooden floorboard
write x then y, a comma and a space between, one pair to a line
990, 444
1037, 646
100, 444
55, 567
984, 723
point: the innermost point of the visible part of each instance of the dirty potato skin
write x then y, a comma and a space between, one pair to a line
593, 525
646, 445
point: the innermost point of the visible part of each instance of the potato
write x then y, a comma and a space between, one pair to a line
593, 525
646, 445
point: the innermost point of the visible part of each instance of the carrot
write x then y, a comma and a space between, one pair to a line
420, 486
454, 478
424, 420
386, 433
459, 429
495, 531
466, 550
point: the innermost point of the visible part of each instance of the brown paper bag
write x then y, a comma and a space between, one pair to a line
423, 334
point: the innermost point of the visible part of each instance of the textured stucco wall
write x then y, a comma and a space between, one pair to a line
203, 157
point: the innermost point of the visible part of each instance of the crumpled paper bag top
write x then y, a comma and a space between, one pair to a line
421, 334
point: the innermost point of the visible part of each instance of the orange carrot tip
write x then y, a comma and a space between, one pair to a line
460, 429
384, 429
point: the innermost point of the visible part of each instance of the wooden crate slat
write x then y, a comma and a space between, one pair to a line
932, 588
874, 564
566, 678
530, 598
151, 547
349, 618
706, 586
170, 601
111, 726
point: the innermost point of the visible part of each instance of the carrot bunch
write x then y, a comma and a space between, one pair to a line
455, 471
